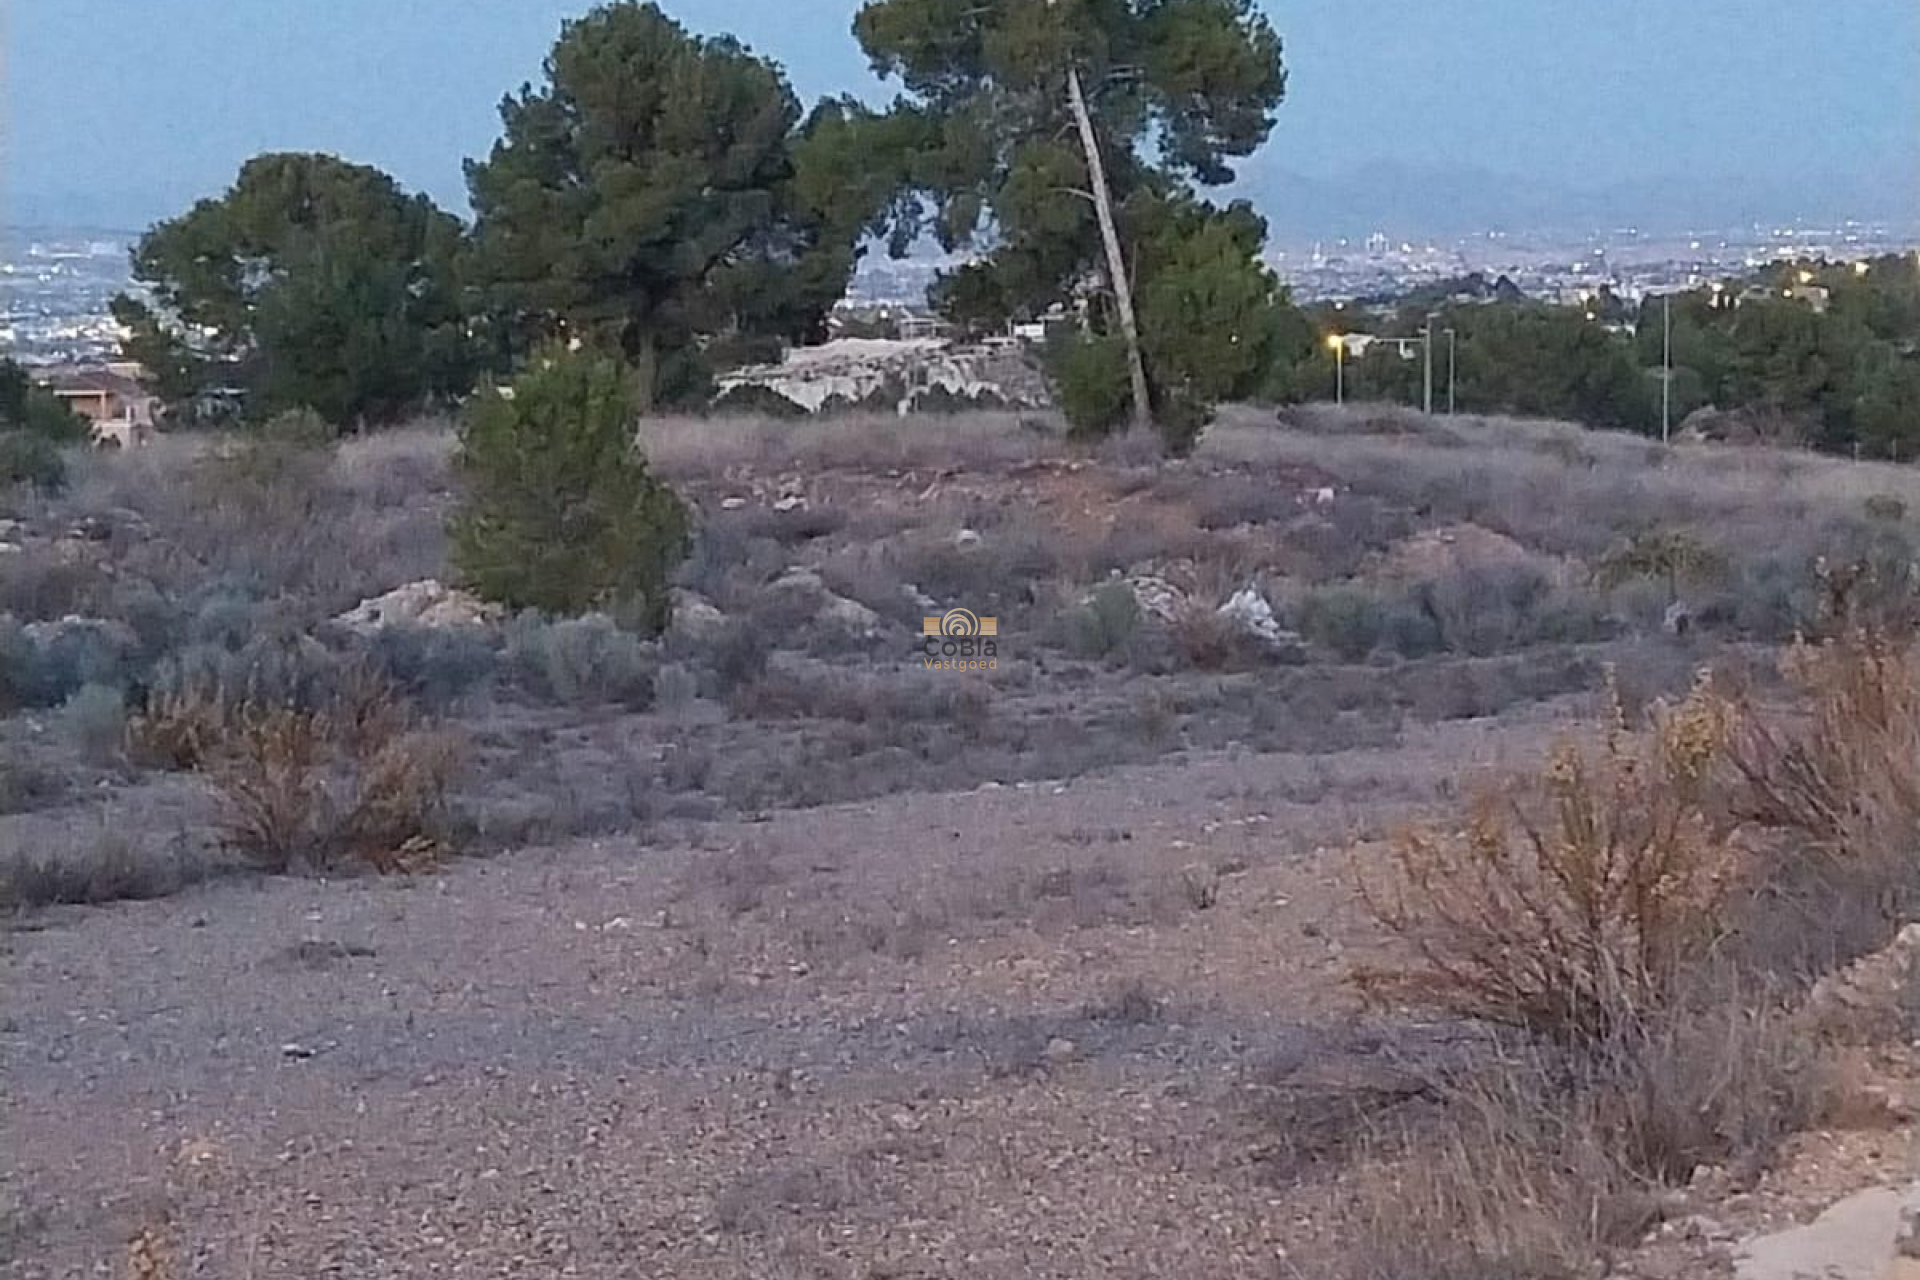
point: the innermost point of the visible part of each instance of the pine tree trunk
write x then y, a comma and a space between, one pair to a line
1116, 261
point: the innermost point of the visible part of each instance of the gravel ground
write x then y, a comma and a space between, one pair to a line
1008, 1032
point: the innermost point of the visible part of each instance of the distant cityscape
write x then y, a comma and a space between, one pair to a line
56, 284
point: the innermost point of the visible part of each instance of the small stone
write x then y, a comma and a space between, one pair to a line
1061, 1049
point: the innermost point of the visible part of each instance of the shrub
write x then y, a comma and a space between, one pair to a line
95, 718
1355, 621
1105, 623
583, 661
100, 867
1668, 556
1850, 752
1089, 376
42, 666
432, 666
1537, 1165
561, 513
31, 460
289, 454
189, 696
737, 653
1206, 639
1838, 775
1884, 506
25, 787
1572, 911
34, 423
299, 786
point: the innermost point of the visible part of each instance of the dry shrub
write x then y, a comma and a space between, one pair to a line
177, 728
1572, 907
1537, 1163
1837, 777
1850, 759
356, 777
1205, 639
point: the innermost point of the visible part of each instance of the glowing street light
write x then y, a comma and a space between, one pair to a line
1338, 345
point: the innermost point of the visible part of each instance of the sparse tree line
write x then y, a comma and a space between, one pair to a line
1822, 354
664, 199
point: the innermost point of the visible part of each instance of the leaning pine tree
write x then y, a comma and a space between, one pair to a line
561, 513
1066, 138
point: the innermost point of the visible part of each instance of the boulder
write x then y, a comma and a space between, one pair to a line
1157, 597
1248, 613
805, 585
427, 603
694, 616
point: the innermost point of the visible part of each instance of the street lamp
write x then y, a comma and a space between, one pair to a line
1453, 345
1338, 345
1426, 390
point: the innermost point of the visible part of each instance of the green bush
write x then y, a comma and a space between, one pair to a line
1089, 376
31, 459
1355, 620
1106, 623
561, 513
34, 424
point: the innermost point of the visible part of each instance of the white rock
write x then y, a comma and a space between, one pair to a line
967, 538
732, 504
1250, 614
1857, 1238
426, 603
791, 502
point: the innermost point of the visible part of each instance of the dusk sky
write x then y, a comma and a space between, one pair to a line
120, 111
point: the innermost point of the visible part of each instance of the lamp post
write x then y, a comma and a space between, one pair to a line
1453, 345
1338, 345
1426, 377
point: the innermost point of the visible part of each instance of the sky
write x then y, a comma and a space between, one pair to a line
117, 112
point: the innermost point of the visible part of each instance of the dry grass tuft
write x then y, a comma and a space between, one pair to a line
1539, 1164
1573, 908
